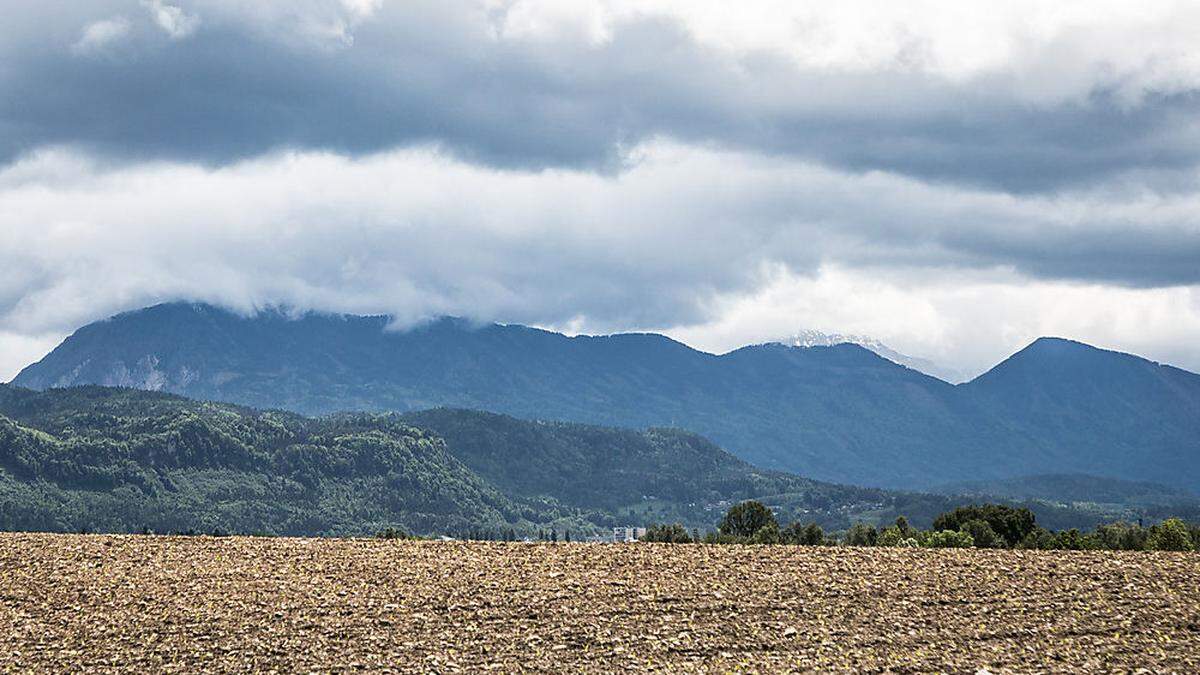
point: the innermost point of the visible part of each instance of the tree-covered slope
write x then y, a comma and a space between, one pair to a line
111, 459
117, 459
839, 413
1061, 487
613, 470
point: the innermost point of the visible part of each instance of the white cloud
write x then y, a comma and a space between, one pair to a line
722, 247
99, 35
955, 178
175, 22
969, 321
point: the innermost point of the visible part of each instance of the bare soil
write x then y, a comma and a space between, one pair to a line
83, 602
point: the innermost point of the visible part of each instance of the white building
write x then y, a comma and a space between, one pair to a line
628, 534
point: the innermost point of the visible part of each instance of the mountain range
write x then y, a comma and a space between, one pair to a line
836, 413
108, 459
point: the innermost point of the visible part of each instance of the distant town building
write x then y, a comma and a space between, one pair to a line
628, 534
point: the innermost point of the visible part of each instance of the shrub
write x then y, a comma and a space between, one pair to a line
1170, 535
674, 533
391, 533
746, 518
948, 539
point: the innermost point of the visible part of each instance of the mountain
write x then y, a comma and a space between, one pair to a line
113, 459
119, 460
1086, 410
814, 338
835, 413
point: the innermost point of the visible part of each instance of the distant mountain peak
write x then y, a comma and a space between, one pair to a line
806, 338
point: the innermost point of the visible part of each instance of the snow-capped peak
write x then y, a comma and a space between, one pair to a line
816, 338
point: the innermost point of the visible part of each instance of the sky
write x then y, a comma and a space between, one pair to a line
952, 178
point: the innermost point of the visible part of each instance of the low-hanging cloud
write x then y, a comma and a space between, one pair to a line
418, 233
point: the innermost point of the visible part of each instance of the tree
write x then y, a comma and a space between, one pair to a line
862, 534
902, 525
767, 534
746, 518
1072, 540
1170, 535
890, 536
1012, 524
948, 539
670, 534
982, 533
1039, 539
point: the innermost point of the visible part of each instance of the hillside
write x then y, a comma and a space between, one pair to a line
838, 413
1075, 488
658, 474
119, 460
115, 459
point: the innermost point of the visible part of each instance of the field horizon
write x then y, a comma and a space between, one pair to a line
122, 602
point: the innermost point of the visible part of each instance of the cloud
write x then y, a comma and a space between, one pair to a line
99, 35
1025, 99
684, 239
171, 19
604, 165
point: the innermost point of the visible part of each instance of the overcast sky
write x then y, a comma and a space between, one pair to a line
953, 178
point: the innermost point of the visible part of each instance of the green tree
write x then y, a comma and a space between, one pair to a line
746, 518
982, 533
1012, 524
670, 534
767, 534
862, 534
890, 536
948, 539
1170, 535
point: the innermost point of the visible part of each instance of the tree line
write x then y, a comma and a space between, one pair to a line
972, 526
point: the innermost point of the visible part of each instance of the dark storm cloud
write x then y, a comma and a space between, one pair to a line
424, 72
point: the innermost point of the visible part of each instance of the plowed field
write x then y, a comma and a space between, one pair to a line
71, 602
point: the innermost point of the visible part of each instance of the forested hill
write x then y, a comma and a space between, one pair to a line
118, 459
840, 413
614, 469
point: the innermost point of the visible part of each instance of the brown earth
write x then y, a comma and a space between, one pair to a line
139, 603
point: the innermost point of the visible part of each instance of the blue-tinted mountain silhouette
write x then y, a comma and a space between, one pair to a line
837, 413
